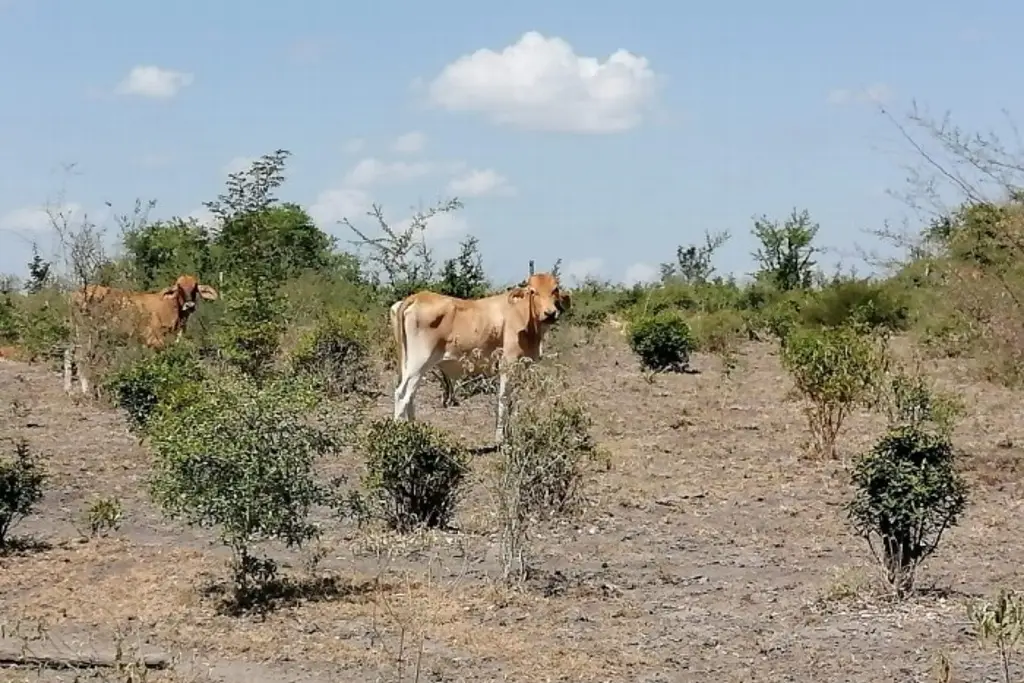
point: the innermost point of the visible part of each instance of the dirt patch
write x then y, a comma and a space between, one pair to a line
711, 549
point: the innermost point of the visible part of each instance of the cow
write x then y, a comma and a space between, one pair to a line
450, 371
147, 316
432, 329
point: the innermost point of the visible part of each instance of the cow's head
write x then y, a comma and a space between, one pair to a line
547, 301
186, 291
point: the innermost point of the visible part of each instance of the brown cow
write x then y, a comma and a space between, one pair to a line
450, 371
147, 316
432, 328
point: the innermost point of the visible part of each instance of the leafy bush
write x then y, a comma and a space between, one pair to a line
908, 492
21, 488
913, 401
161, 377
662, 341
103, 515
720, 333
335, 355
547, 443
242, 458
833, 370
858, 302
414, 473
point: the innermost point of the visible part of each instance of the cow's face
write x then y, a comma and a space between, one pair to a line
549, 300
187, 291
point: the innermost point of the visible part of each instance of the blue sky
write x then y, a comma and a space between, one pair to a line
711, 116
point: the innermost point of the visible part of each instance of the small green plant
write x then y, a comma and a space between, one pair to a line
414, 473
104, 515
1000, 623
335, 355
912, 400
662, 341
139, 387
907, 493
540, 474
241, 457
833, 370
21, 488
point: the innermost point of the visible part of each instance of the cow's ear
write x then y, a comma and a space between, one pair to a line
208, 293
170, 291
516, 293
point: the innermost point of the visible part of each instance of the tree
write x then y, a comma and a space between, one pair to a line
254, 315
693, 263
463, 276
38, 272
157, 253
285, 236
786, 250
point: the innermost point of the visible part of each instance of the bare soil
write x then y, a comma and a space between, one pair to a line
711, 550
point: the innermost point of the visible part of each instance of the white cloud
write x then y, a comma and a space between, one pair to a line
237, 165
333, 205
154, 82
581, 269
373, 171
641, 272
439, 227
410, 143
34, 219
874, 93
477, 183
540, 83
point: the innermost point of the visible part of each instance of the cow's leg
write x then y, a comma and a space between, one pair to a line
418, 362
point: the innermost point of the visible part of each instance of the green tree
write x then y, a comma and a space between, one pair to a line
284, 238
786, 252
38, 272
157, 253
463, 276
248, 245
693, 263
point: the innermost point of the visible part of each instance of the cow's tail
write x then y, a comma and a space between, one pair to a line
398, 328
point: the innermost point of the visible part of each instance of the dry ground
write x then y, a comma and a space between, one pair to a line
710, 551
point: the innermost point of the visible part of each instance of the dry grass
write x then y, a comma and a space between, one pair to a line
709, 550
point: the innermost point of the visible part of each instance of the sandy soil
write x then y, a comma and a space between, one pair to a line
711, 550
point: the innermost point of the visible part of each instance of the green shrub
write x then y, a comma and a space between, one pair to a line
414, 473
662, 341
161, 377
104, 515
907, 493
335, 355
43, 327
833, 369
241, 457
21, 488
546, 445
858, 302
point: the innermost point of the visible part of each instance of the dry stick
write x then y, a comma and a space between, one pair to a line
93, 661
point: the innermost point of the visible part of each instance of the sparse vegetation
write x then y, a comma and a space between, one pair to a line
250, 423
21, 488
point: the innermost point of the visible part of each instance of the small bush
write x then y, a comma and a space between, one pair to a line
414, 473
833, 369
1000, 623
104, 515
662, 341
161, 377
241, 457
858, 302
21, 488
907, 493
547, 443
335, 355
720, 333
912, 400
